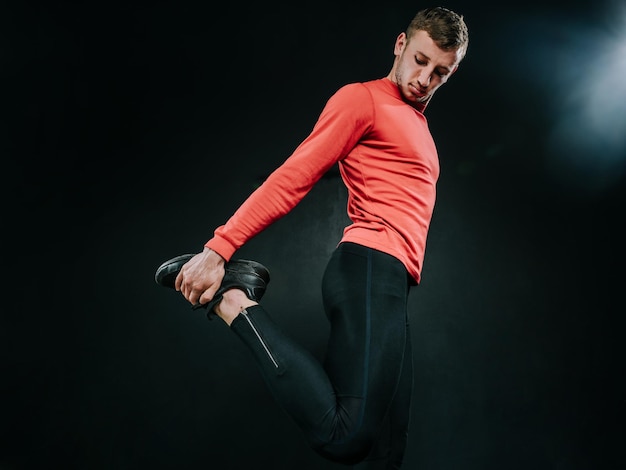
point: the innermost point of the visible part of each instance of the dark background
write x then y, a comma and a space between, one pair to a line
131, 130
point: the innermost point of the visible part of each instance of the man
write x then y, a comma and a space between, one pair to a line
378, 135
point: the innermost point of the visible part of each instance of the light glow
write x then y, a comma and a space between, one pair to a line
587, 145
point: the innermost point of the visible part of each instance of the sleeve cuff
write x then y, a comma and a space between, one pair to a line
221, 247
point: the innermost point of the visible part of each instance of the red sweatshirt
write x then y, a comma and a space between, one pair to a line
387, 160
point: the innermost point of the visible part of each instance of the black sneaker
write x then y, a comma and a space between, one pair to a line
249, 276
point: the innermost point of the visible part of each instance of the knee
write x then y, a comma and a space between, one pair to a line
349, 452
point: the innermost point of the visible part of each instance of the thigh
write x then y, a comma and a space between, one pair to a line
365, 297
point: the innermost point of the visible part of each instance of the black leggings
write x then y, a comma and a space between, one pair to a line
356, 405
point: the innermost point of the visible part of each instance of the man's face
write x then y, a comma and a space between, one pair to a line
421, 67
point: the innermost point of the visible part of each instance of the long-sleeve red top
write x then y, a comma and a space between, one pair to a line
387, 159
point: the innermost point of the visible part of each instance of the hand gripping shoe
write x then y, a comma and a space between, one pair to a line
246, 275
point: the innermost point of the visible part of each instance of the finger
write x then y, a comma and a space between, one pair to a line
208, 294
189, 293
179, 280
193, 297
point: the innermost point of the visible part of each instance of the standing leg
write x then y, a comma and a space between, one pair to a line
388, 453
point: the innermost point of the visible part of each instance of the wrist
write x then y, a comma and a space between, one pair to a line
212, 254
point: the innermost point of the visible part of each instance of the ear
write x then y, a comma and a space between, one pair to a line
401, 41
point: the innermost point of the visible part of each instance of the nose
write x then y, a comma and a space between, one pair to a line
424, 78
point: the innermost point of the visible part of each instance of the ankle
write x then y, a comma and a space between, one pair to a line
234, 301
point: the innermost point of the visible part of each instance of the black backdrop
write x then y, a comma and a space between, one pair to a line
132, 129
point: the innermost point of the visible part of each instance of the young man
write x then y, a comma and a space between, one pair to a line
378, 135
